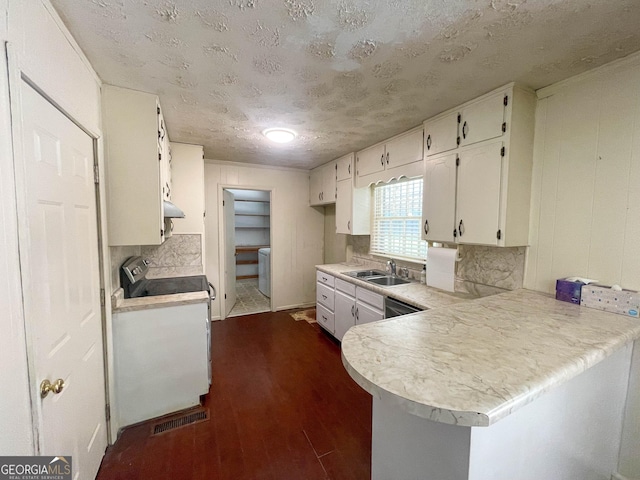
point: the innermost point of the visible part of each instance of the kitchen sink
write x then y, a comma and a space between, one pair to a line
366, 273
387, 280
377, 277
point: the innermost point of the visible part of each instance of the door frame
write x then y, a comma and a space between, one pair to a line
222, 245
17, 76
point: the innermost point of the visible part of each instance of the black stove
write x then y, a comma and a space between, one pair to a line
133, 277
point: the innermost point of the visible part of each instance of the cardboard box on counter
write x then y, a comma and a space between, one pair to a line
624, 302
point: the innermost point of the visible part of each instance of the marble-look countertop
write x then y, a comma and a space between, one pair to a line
413, 293
121, 304
476, 362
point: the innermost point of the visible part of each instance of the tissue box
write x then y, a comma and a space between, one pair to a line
624, 302
568, 291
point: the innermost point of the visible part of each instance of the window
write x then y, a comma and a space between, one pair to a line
397, 218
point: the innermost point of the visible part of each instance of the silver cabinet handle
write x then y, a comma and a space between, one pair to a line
382, 159
213, 290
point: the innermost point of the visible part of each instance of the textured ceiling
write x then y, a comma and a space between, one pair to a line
343, 73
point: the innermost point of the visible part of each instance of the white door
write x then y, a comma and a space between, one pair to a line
229, 209
478, 200
439, 198
59, 255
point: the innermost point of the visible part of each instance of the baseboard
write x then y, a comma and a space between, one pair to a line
619, 476
299, 305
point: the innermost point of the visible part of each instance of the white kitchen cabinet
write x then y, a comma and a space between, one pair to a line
160, 360
492, 174
478, 200
325, 301
483, 119
439, 198
344, 167
353, 205
345, 307
390, 159
187, 192
136, 147
322, 184
441, 134
369, 306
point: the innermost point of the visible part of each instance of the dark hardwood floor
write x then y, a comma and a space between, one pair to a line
281, 407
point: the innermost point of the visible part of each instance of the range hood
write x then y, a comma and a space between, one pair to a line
171, 211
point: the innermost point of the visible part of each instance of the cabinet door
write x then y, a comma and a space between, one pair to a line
345, 314
344, 207
345, 165
478, 199
439, 198
370, 160
482, 120
441, 135
404, 149
315, 186
367, 314
329, 173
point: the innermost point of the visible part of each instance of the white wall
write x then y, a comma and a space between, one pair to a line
585, 204
297, 229
335, 244
42, 50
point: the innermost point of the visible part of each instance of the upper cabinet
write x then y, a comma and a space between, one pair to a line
187, 173
138, 167
397, 157
322, 184
352, 204
477, 186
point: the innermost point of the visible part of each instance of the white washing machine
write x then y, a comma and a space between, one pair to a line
264, 271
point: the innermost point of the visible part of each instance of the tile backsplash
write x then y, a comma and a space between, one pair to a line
179, 255
481, 270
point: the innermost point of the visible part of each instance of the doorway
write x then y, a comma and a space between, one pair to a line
248, 248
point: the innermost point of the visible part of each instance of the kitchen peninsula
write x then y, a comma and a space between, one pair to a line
512, 386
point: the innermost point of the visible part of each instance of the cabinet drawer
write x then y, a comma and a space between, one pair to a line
325, 296
325, 278
325, 318
367, 296
346, 287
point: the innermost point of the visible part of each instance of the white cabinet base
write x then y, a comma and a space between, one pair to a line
160, 357
572, 432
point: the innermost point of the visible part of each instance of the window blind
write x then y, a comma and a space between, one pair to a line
397, 218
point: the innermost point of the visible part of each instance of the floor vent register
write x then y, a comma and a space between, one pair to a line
188, 418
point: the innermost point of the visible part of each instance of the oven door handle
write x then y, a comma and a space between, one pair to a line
212, 292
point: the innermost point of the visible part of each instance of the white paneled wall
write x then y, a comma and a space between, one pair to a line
585, 208
296, 229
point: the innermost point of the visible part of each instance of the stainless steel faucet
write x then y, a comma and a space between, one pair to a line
391, 266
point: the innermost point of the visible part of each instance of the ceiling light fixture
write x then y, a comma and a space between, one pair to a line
279, 135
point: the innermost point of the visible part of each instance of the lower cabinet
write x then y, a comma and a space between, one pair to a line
340, 305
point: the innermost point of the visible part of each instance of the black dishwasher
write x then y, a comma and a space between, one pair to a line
395, 308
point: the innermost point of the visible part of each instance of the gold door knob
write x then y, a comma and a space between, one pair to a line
46, 386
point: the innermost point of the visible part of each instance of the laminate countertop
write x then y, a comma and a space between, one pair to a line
475, 362
120, 304
413, 293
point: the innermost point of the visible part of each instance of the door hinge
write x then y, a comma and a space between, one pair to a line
458, 141
504, 127
506, 100
455, 233
499, 235
107, 412
457, 161
223, 203
96, 174
502, 152
159, 157
459, 118
103, 298
225, 296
